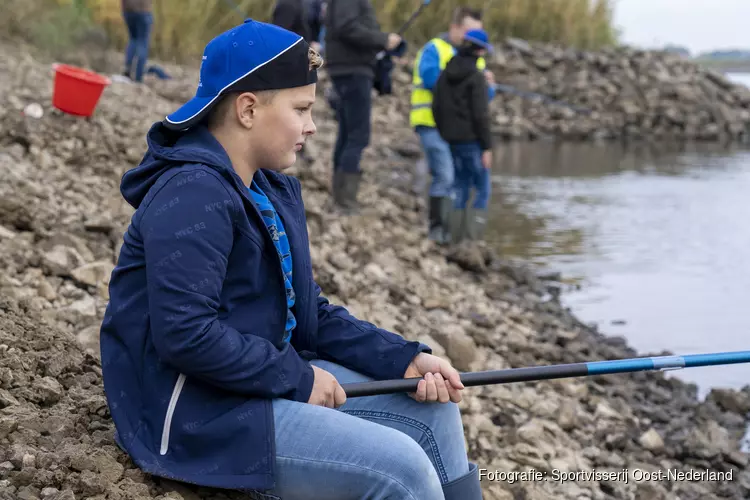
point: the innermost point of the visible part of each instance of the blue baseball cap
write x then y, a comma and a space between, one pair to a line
479, 38
251, 57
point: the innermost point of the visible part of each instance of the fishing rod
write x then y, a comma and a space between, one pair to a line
507, 89
534, 373
406, 25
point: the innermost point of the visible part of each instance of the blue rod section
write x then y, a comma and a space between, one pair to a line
719, 358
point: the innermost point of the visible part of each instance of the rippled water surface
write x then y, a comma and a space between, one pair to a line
657, 237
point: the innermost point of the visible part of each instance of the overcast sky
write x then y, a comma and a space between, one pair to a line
699, 25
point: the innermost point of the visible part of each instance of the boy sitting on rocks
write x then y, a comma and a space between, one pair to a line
222, 361
462, 116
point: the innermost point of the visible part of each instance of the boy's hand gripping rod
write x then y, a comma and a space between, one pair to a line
533, 373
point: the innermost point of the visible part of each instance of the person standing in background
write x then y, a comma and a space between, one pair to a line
314, 11
300, 17
462, 115
431, 60
138, 19
353, 40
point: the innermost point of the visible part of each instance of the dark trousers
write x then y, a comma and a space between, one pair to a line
139, 30
353, 110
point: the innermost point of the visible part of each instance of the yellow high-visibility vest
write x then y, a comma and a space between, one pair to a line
421, 98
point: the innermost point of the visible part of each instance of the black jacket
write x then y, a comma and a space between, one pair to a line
353, 37
291, 15
461, 104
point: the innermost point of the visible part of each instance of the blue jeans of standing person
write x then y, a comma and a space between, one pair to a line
375, 447
470, 174
439, 161
139, 29
353, 112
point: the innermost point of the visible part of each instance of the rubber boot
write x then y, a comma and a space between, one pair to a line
439, 209
467, 487
336, 187
476, 220
349, 187
457, 225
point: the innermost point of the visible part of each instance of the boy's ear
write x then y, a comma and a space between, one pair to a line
246, 106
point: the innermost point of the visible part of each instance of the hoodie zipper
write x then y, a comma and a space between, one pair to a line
170, 413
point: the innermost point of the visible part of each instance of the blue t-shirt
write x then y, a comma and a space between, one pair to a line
280, 240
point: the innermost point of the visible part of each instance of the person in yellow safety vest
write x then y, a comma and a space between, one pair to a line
430, 62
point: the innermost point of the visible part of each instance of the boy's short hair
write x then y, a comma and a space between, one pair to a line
316, 60
461, 13
251, 57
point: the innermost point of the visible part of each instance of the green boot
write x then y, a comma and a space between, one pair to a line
349, 188
438, 219
336, 187
476, 222
457, 225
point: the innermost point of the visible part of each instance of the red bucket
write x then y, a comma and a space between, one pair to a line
76, 90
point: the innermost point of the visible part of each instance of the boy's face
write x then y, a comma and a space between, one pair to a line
280, 127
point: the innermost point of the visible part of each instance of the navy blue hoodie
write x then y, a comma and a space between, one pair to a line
192, 340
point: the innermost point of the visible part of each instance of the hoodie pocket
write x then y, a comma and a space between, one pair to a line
170, 413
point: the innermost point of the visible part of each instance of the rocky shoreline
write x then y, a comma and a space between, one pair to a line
620, 94
61, 224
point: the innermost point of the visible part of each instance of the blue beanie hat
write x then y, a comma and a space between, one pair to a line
478, 38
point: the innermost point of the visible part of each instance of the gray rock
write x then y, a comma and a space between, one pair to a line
651, 440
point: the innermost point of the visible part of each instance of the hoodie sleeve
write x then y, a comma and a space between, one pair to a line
429, 66
361, 346
345, 21
438, 95
357, 344
480, 111
187, 249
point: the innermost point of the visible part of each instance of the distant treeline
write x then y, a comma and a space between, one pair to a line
713, 55
182, 27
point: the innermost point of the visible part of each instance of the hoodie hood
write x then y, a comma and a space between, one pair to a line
460, 68
168, 149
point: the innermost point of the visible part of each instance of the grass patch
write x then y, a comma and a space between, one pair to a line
183, 27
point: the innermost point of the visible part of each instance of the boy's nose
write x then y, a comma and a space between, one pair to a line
310, 128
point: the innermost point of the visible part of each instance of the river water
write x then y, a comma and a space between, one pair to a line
653, 239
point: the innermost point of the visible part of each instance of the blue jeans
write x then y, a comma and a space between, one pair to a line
470, 173
377, 447
353, 113
139, 29
439, 160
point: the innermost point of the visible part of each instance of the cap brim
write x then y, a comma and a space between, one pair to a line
190, 113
